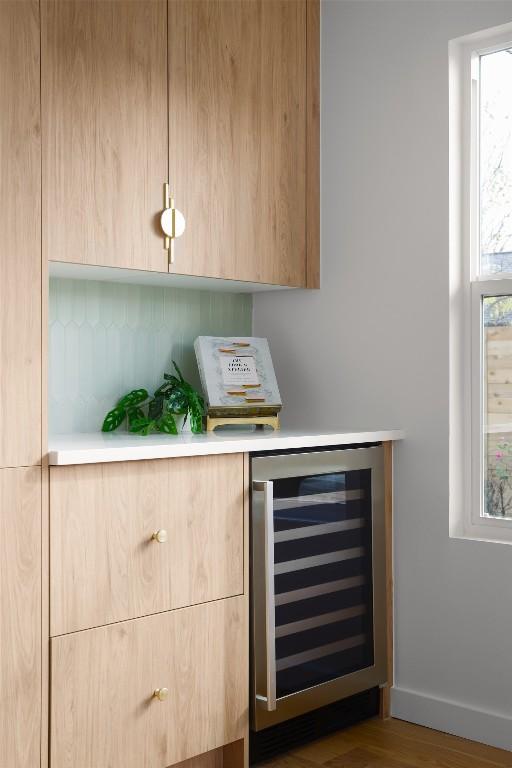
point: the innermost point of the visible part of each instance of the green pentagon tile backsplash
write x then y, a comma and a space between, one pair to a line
108, 338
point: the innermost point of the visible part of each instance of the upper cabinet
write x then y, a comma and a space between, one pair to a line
20, 225
238, 137
217, 97
104, 100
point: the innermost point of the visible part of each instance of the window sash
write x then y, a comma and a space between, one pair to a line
468, 287
482, 285
479, 290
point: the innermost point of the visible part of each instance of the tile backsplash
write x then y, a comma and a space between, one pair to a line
108, 338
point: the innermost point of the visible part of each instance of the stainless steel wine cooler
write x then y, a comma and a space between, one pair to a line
318, 580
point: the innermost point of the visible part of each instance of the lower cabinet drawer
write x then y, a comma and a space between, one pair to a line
129, 539
104, 713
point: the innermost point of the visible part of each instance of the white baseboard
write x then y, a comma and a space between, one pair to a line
491, 728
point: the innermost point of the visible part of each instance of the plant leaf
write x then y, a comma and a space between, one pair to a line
175, 395
113, 419
196, 413
170, 377
156, 407
192, 394
140, 425
135, 397
163, 389
167, 424
196, 422
178, 372
177, 401
134, 414
150, 427
195, 400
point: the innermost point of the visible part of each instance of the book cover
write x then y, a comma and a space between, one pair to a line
237, 375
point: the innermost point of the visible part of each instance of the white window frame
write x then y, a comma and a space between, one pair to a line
467, 288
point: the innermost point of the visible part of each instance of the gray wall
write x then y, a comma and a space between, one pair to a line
370, 349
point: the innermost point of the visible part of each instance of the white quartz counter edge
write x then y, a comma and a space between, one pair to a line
97, 447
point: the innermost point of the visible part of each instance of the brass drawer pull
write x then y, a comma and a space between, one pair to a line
161, 694
160, 536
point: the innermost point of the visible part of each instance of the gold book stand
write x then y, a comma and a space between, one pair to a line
216, 419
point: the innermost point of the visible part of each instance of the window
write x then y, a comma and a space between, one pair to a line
481, 285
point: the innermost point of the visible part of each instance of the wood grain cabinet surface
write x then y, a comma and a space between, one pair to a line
103, 712
20, 616
20, 227
218, 97
104, 564
104, 101
238, 138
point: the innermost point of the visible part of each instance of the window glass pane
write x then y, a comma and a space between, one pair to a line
496, 162
497, 337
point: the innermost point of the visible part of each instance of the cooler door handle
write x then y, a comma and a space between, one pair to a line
268, 702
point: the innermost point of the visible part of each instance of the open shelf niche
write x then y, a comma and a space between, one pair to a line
106, 338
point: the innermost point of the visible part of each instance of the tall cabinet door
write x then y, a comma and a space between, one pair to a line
20, 227
237, 137
20, 615
104, 99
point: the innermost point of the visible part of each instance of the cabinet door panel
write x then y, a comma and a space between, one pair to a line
103, 709
104, 77
20, 617
106, 567
20, 225
237, 136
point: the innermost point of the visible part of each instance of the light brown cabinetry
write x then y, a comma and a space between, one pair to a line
237, 137
220, 98
105, 565
104, 102
20, 227
152, 557
20, 616
104, 712
20, 385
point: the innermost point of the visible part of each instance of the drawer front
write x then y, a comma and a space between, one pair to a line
105, 565
103, 711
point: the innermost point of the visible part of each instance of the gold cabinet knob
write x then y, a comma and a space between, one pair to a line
161, 694
160, 536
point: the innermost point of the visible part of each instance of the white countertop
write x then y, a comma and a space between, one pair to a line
99, 447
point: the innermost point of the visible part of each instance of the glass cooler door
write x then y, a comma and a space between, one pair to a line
317, 519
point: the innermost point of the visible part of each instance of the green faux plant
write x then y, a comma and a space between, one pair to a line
145, 414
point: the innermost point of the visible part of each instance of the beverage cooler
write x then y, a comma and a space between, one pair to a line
318, 580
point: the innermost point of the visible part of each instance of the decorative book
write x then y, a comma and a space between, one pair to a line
237, 376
